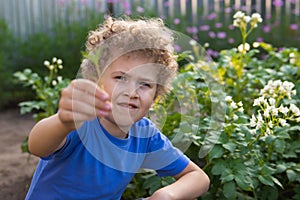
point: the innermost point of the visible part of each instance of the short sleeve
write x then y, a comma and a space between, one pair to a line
71, 141
163, 157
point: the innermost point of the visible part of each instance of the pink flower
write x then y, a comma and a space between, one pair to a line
266, 29
211, 16
177, 48
204, 28
218, 25
231, 40
167, 4
211, 34
176, 21
294, 27
259, 39
228, 10
221, 35
192, 29
231, 27
278, 3
139, 9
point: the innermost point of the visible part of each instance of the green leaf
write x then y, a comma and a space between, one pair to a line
277, 182
229, 190
269, 139
266, 170
279, 146
153, 184
291, 174
218, 167
280, 168
266, 180
230, 146
216, 152
227, 178
243, 183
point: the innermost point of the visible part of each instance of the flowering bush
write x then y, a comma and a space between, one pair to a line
47, 89
255, 155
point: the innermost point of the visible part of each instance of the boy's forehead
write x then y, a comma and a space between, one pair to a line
134, 61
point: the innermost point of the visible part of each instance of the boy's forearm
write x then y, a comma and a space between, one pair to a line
189, 186
47, 136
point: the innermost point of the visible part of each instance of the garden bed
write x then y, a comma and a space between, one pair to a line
16, 168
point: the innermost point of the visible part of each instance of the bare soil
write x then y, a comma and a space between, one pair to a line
16, 168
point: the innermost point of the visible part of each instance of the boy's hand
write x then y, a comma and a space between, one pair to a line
82, 100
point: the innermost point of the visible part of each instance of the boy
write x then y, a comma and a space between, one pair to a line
100, 137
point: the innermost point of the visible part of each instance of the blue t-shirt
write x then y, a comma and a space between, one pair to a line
93, 164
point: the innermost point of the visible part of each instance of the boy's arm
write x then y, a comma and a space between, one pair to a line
191, 183
82, 100
47, 136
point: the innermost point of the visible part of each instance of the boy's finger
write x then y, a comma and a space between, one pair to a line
90, 87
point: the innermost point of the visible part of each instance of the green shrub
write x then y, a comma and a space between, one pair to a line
254, 155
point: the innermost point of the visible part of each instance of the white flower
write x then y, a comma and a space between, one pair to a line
260, 121
51, 67
46, 63
243, 47
256, 44
60, 66
54, 59
236, 22
59, 78
270, 124
295, 109
284, 110
59, 61
235, 117
240, 104
233, 105
54, 82
256, 17
277, 83
241, 109
193, 42
238, 14
253, 121
283, 122
268, 131
272, 101
292, 55
297, 119
228, 99
259, 101
288, 85
267, 112
292, 61
247, 19
274, 111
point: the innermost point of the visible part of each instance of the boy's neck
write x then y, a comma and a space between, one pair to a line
113, 129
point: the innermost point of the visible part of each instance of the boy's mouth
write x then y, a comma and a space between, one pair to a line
128, 105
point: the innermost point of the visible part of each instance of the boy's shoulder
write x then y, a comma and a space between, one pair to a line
144, 128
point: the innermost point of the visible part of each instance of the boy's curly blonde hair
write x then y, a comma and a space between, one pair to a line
117, 37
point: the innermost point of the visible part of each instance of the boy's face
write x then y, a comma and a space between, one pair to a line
131, 82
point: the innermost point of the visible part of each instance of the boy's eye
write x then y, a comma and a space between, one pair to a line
144, 84
121, 78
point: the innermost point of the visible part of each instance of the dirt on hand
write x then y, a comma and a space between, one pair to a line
16, 168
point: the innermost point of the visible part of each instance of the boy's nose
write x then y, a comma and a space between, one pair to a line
132, 91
